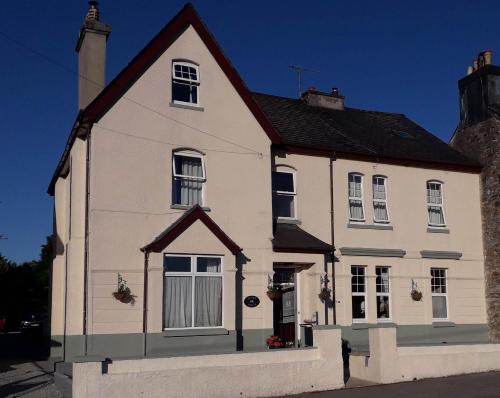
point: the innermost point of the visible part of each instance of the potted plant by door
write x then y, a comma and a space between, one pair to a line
274, 293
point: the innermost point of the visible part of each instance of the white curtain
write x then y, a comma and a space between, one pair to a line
380, 210
178, 305
355, 187
439, 307
191, 189
436, 215
208, 264
356, 209
208, 301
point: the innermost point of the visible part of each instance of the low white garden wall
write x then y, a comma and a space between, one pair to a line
258, 374
387, 363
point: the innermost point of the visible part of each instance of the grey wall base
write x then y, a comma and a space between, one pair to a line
411, 335
131, 345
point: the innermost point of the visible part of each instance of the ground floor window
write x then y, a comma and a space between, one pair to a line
439, 294
192, 291
358, 288
383, 293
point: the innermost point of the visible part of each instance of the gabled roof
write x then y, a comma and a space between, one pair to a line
291, 238
146, 57
195, 213
389, 137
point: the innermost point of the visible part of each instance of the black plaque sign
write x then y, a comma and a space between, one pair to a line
251, 301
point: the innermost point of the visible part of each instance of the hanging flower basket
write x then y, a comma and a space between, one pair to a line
274, 294
416, 295
122, 292
120, 296
324, 294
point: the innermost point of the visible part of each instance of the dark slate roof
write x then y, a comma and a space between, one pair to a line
356, 131
291, 238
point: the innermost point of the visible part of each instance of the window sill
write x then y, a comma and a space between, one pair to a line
370, 226
187, 207
438, 230
281, 220
195, 332
443, 324
187, 106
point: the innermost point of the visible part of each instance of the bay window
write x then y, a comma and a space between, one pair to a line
188, 170
435, 204
355, 188
380, 212
192, 291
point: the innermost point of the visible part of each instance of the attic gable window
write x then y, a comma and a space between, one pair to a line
185, 83
188, 169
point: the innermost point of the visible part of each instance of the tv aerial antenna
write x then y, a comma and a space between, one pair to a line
299, 70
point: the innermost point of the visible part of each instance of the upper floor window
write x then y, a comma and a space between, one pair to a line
435, 204
355, 188
185, 83
188, 170
283, 184
380, 212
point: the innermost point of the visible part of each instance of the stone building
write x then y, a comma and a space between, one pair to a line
478, 137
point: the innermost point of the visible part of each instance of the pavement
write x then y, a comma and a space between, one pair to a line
477, 385
27, 379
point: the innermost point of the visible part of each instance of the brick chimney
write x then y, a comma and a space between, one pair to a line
479, 90
91, 49
332, 100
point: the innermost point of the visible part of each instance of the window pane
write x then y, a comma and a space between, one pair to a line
187, 192
181, 92
188, 166
283, 206
439, 307
282, 182
380, 211
383, 307
382, 280
358, 279
176, 264
208, 301
355, 186
177, 305
208, 264
436, 215
378, 188
358, 307
356, 210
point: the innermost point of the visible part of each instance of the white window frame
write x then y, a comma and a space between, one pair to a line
202, 179
355, 198
384, 201
388, 294
293, 194
193, 273
185, 81
363, 294
445, 295
441, 205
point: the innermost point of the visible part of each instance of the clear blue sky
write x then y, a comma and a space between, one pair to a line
384, 55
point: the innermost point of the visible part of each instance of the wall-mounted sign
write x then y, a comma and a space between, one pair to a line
251, 301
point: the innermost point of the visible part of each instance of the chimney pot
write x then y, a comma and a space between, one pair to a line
488, 57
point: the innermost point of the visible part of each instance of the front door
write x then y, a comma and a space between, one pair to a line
285, 308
